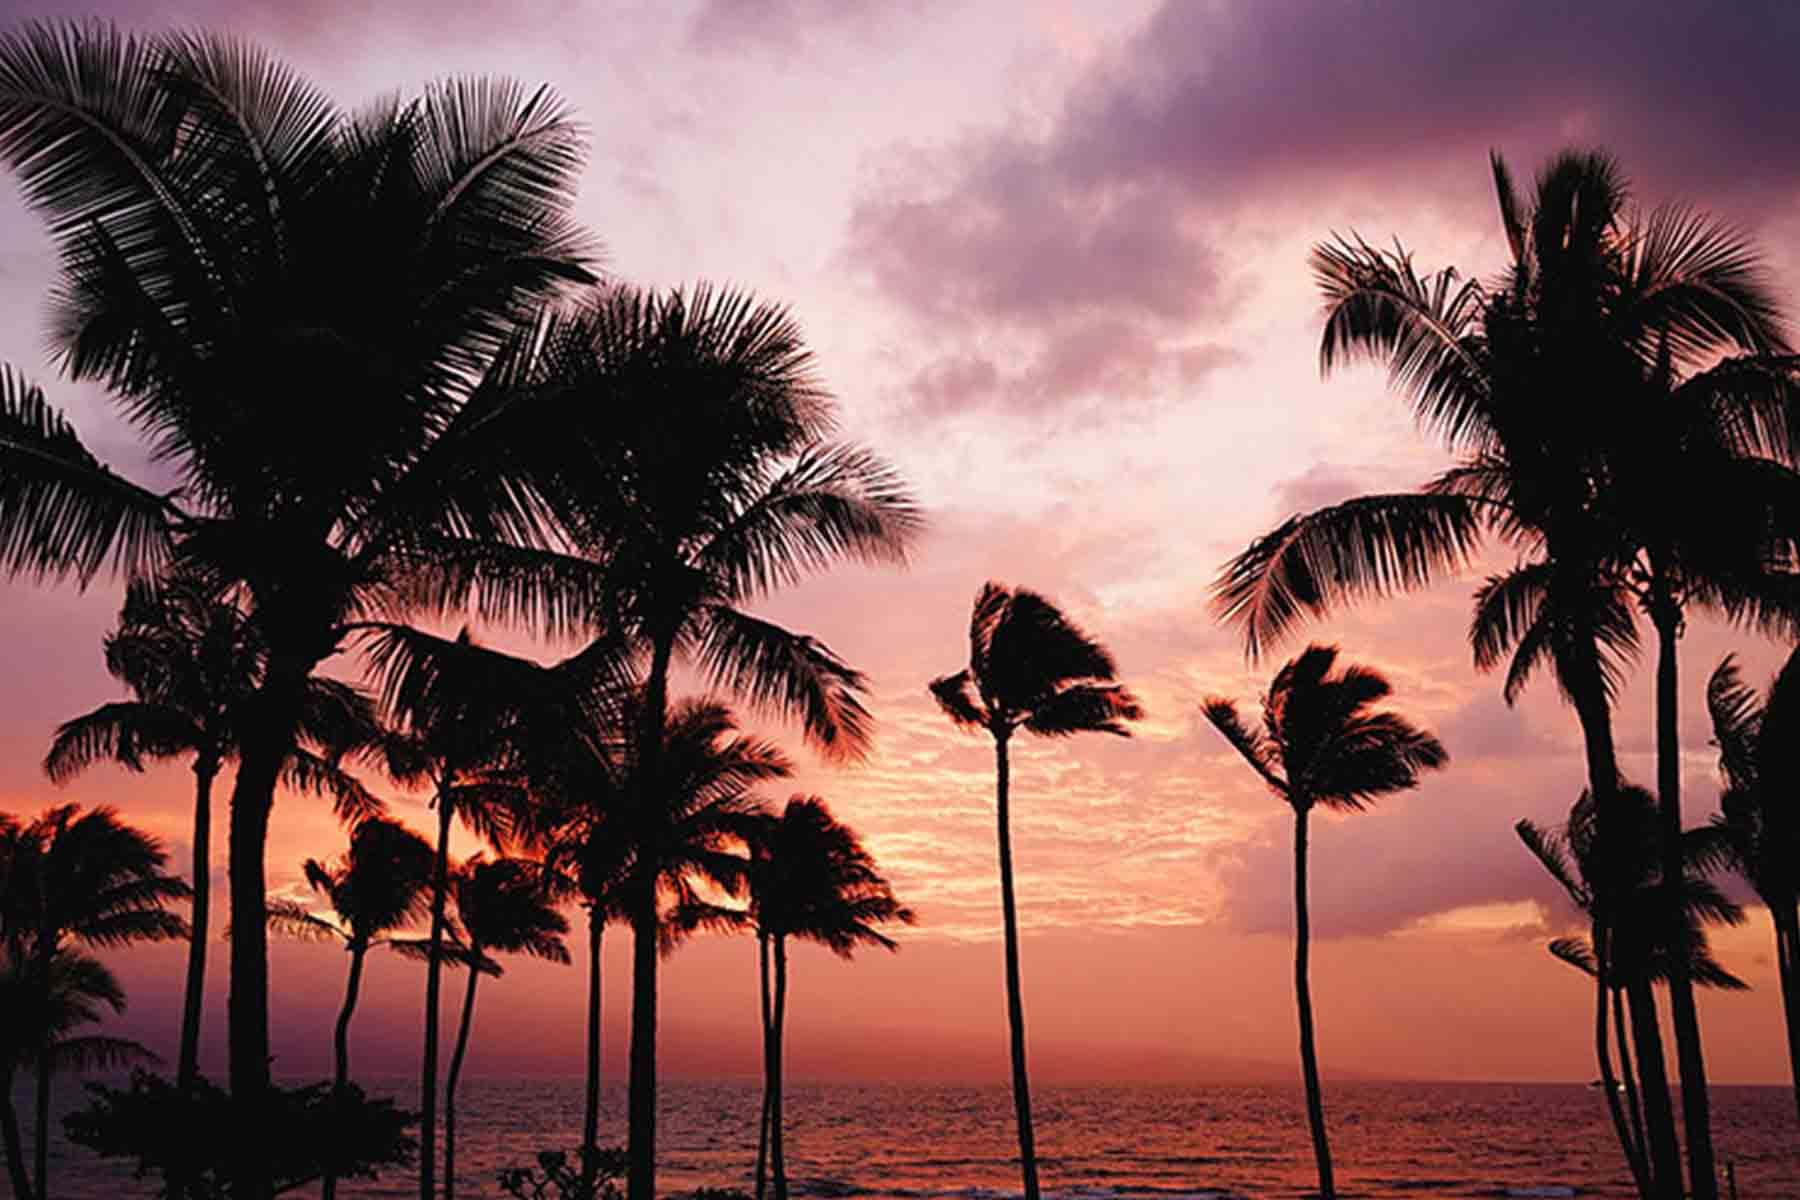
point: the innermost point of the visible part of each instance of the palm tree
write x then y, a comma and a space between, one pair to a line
718, 487
39, 1030
810, 879
72, 877
1541, 383
192, 662
1322, 742
1760, 812
1030, 668
316, 320
504, 907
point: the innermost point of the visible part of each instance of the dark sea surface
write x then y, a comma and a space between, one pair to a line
912, 1141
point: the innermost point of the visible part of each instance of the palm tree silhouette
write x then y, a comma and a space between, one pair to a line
192, 662
1323, 743
504, 907
1030, 668
718, 486
810, 878
1540, 382
39, 1033
71, 877
1759, 813
377, 888
251, 272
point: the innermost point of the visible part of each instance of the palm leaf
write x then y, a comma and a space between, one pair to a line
789, 674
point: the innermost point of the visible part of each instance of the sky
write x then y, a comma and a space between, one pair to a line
1051, 256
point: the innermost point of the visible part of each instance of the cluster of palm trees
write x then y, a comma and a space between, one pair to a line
1620, 405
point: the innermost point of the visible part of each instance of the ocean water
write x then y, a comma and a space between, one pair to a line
917, 1141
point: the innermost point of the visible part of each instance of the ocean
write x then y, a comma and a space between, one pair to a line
914, 1142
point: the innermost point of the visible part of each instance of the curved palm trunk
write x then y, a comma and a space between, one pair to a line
1603, 1056
777, 1140
1309, 1057
434, 972
1015, 1000
1690, 1055
1634, 1107
1787, 958
590, 1116
640, 1150
768, 1049
205, 770
456, 1065
9, 1136
1659, 1115
41, 1122
340, 1042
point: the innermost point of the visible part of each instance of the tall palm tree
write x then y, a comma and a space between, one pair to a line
1030, 668
68, 878
503, 907
718, 487
1632, 935
1323, 742
1541, 381
315, 320
810, 879
1759, 756
192, 662
39, 1033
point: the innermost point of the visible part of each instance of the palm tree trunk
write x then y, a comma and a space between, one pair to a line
1787, 958
777, 1148
205, 770
590, 1116
768, 1049
1703, 1175
1634, 1106
340, 1045
640, 1149
265, 741
434, 971
1659, 1116
456, 1065
1603, 1055
1015, 1000
1309, 1057
9, 1134
41, 1121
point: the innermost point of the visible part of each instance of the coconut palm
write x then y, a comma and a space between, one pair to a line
252, 272
1542, 382
191, 662
1759, 814
1323, 742
75, 878
1030, 668
504, 907
40, 1033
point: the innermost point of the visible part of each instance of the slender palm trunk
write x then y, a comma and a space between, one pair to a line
1703, 1175
9, 1135
265, 742
590, 1116
768, 1049
1603, 1055
1015, 1000
1634, 1107
205, 770
434, 971
1309, 1056
340, 1043
640, 1150
1787, 959
41, 1121
777, 1140
456, 1065
1659, 1115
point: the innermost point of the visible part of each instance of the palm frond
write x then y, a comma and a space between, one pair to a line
1576, 952
789, 674
1085, 708
957, 696
1248, 741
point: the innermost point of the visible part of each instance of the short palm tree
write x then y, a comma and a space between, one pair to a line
503, 907
1323, 743
39, 1033
379, 887
75, 878
252, 272
192, 662
1030, 668
1759, 756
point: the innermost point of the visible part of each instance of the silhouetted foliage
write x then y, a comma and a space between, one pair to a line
593, 1176
314, 1130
